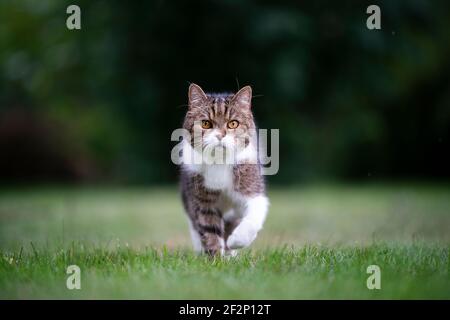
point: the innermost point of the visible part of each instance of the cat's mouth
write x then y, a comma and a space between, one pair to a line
219, 152
218, 146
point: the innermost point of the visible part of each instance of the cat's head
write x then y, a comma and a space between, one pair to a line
220, 120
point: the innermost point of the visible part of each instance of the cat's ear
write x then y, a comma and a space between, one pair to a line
196, 95
243, 97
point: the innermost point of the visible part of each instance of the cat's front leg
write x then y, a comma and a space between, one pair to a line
210, 227
231, 222
254, 214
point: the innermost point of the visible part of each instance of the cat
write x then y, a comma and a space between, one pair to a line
225, 201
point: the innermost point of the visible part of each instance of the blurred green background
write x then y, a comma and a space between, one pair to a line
98, 105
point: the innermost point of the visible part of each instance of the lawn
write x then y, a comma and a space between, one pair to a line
317, 243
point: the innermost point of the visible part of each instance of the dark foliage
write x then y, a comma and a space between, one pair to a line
101, 103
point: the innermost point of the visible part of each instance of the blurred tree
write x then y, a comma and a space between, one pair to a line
350, 103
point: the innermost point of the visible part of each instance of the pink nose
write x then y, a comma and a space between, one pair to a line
219, 136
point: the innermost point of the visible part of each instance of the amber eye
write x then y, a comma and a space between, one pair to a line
233, 124
206, 124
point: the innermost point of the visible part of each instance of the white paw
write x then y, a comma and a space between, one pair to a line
241, 237
230, 253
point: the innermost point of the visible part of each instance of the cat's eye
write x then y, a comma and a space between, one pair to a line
206, 124
233, 124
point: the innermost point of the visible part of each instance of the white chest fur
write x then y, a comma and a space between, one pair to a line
218, 176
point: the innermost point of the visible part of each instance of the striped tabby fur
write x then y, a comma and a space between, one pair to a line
225, 203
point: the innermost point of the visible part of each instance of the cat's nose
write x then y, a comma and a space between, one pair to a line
219, 136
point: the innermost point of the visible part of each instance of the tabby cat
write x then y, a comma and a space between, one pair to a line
224, 200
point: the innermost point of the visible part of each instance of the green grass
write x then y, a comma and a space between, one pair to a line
317, 243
